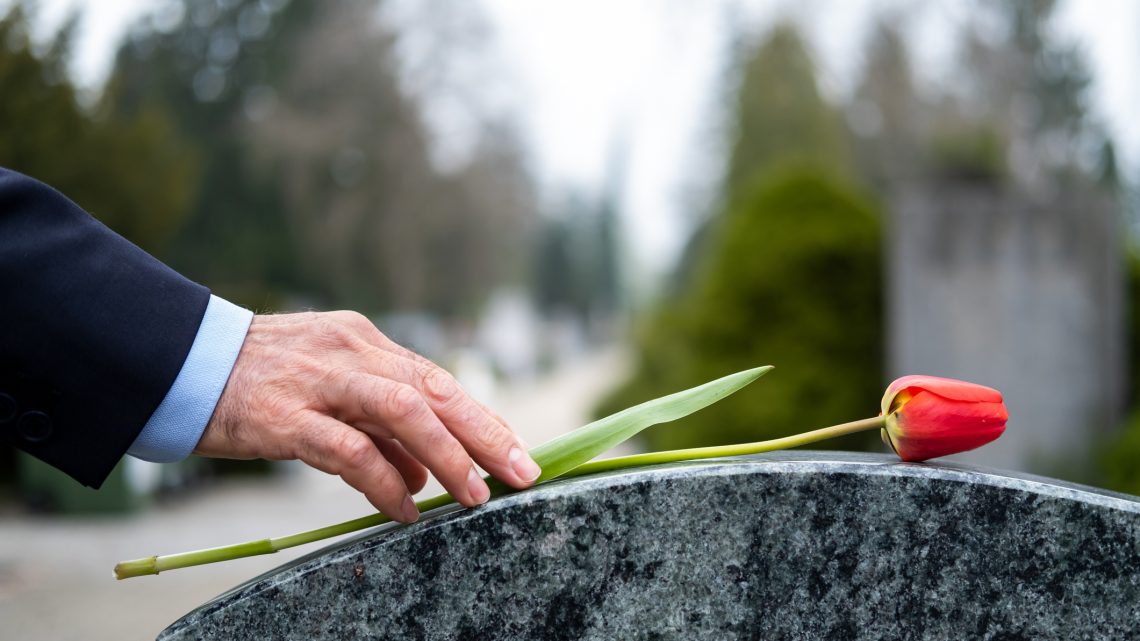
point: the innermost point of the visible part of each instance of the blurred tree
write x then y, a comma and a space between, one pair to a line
358, 182
886, 114
780, 115
213, 67
902, 135
607, 268
793, 280
787, 273
487, 224
576, 265
129, 172
556, 281
1018, 108
1029, 86
575, 262
319, 173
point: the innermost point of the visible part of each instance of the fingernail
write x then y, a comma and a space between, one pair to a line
411, 512
523, 465
477, 487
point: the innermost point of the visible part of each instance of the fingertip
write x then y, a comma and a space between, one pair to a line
523, 465
477, 487
409, 513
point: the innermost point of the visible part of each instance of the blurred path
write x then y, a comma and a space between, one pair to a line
55, 572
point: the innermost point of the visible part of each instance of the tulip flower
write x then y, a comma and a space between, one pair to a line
927, 417
923, 417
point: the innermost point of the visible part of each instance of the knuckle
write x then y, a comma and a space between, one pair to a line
352, 319
401, 401
440, 386
329, 382
329, 330
489, 437
278, 405
355, 450
338, 330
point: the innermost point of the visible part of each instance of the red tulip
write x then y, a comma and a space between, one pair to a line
927, 416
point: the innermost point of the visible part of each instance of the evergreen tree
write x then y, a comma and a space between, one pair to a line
787, 273
129, 172
318, 175
780, 115
1028, 91
887, 114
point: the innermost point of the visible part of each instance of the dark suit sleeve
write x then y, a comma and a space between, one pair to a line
93, 331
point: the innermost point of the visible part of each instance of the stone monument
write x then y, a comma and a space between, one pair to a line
797, 545
1023, 292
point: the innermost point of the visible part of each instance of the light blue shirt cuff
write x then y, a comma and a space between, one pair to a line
175, 427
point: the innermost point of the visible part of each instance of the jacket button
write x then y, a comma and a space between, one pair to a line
9, 409
34, 426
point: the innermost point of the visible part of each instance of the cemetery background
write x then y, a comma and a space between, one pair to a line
968, 218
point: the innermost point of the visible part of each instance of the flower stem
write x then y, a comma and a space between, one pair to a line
741, 449
156, 564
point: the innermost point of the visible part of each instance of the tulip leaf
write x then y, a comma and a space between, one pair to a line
566, 452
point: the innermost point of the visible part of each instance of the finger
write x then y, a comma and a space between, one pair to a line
411, 368
373, 400
372, 335
483, 435
486, 437
414, 473
502, 421
331, 446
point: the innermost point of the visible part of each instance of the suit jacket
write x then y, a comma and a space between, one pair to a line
93, 331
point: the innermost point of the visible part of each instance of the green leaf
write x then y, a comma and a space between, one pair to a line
562, 454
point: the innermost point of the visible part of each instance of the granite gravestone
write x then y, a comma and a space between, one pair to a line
795, 546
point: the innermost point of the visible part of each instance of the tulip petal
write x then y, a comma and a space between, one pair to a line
930, 425
929, 413
946, 388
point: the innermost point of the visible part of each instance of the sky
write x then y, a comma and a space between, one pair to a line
602, 88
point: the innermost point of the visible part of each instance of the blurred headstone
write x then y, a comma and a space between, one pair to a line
1019, 292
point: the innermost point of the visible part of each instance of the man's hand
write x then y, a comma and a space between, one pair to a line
331, 390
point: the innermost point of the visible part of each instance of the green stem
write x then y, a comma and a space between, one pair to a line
716, 451
156, 564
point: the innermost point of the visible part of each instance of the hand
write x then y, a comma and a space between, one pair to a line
331, 390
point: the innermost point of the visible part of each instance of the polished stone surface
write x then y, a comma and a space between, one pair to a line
792, 546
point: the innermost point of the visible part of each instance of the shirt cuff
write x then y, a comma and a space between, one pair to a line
175, 427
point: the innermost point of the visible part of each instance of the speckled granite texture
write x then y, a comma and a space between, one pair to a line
797, 546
